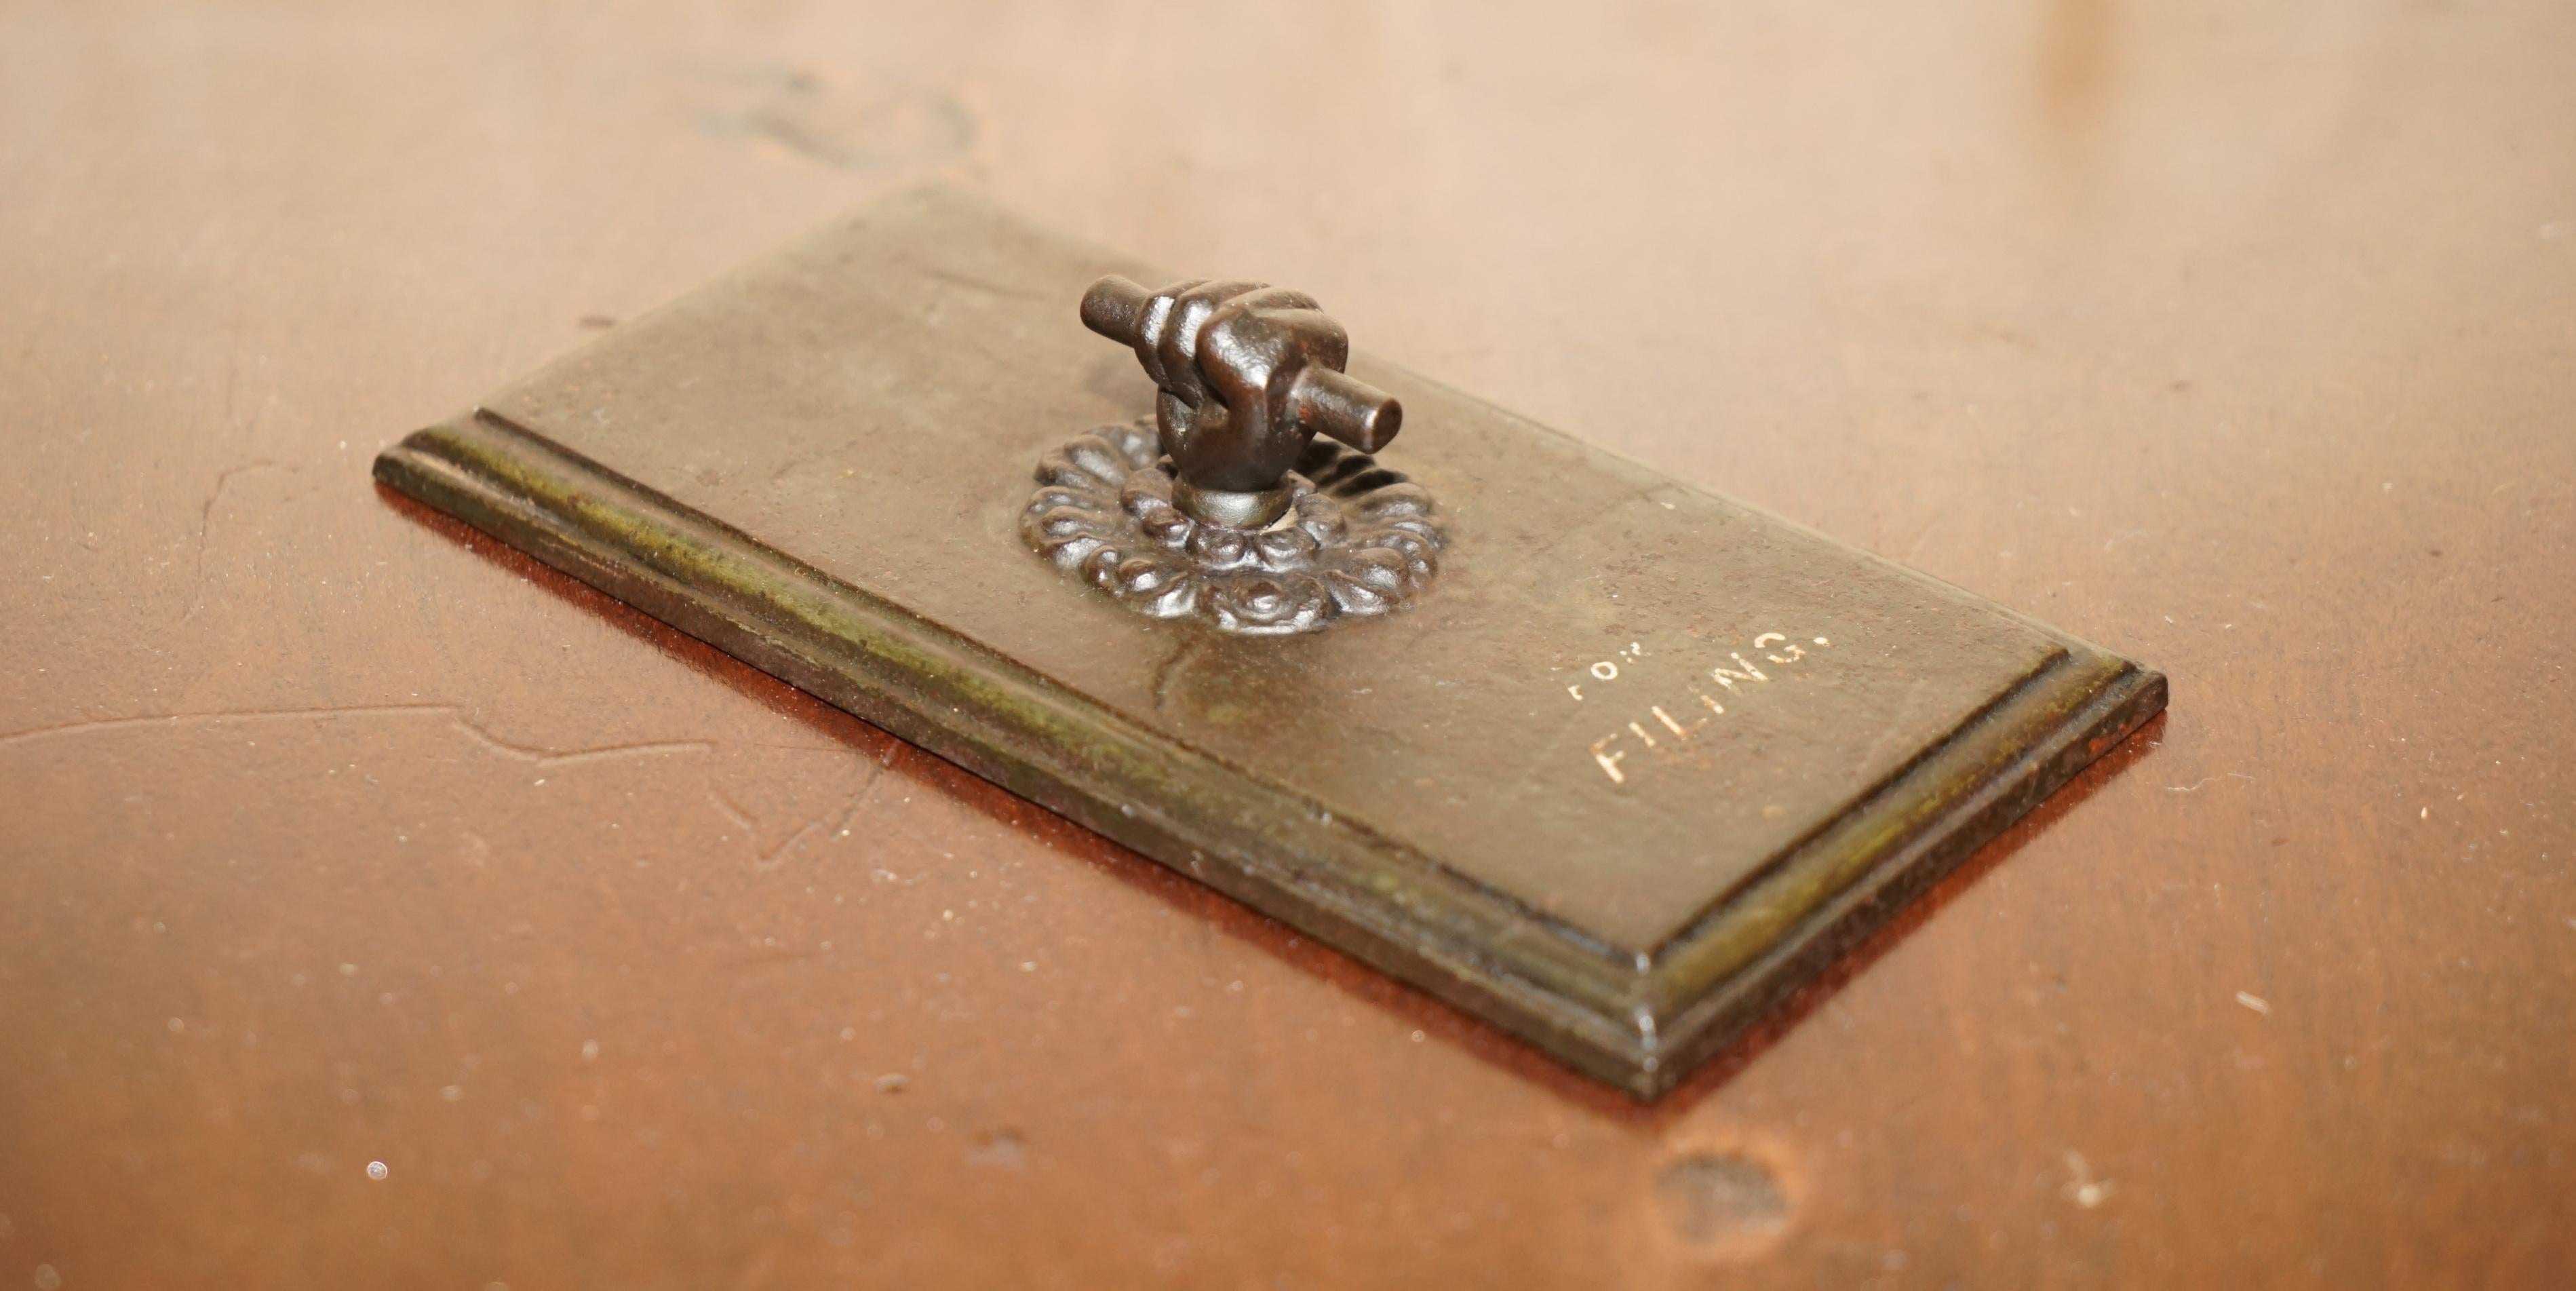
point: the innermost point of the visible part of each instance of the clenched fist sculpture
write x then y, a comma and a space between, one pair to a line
1224, 505
1247, 374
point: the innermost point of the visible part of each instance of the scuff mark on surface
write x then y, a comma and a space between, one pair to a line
2195, 786
206, 526
1170, 670
901, 127
986, 286
764, 859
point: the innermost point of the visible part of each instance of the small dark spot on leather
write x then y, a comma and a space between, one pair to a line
1721, 1199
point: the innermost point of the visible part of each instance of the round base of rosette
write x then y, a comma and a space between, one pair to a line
1355, 539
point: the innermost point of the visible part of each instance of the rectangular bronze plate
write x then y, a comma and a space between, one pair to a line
1638, 763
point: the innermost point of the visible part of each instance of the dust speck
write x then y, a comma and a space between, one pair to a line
2082, 1188
1001, 1149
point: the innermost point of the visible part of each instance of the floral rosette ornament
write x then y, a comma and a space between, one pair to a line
1356, 539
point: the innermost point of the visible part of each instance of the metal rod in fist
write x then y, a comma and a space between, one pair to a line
1247, 373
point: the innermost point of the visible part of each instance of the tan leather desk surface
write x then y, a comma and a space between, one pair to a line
2237, 339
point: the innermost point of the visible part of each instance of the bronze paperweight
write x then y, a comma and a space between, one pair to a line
1608, 760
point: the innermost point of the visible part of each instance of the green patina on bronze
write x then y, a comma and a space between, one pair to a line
1517, 792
